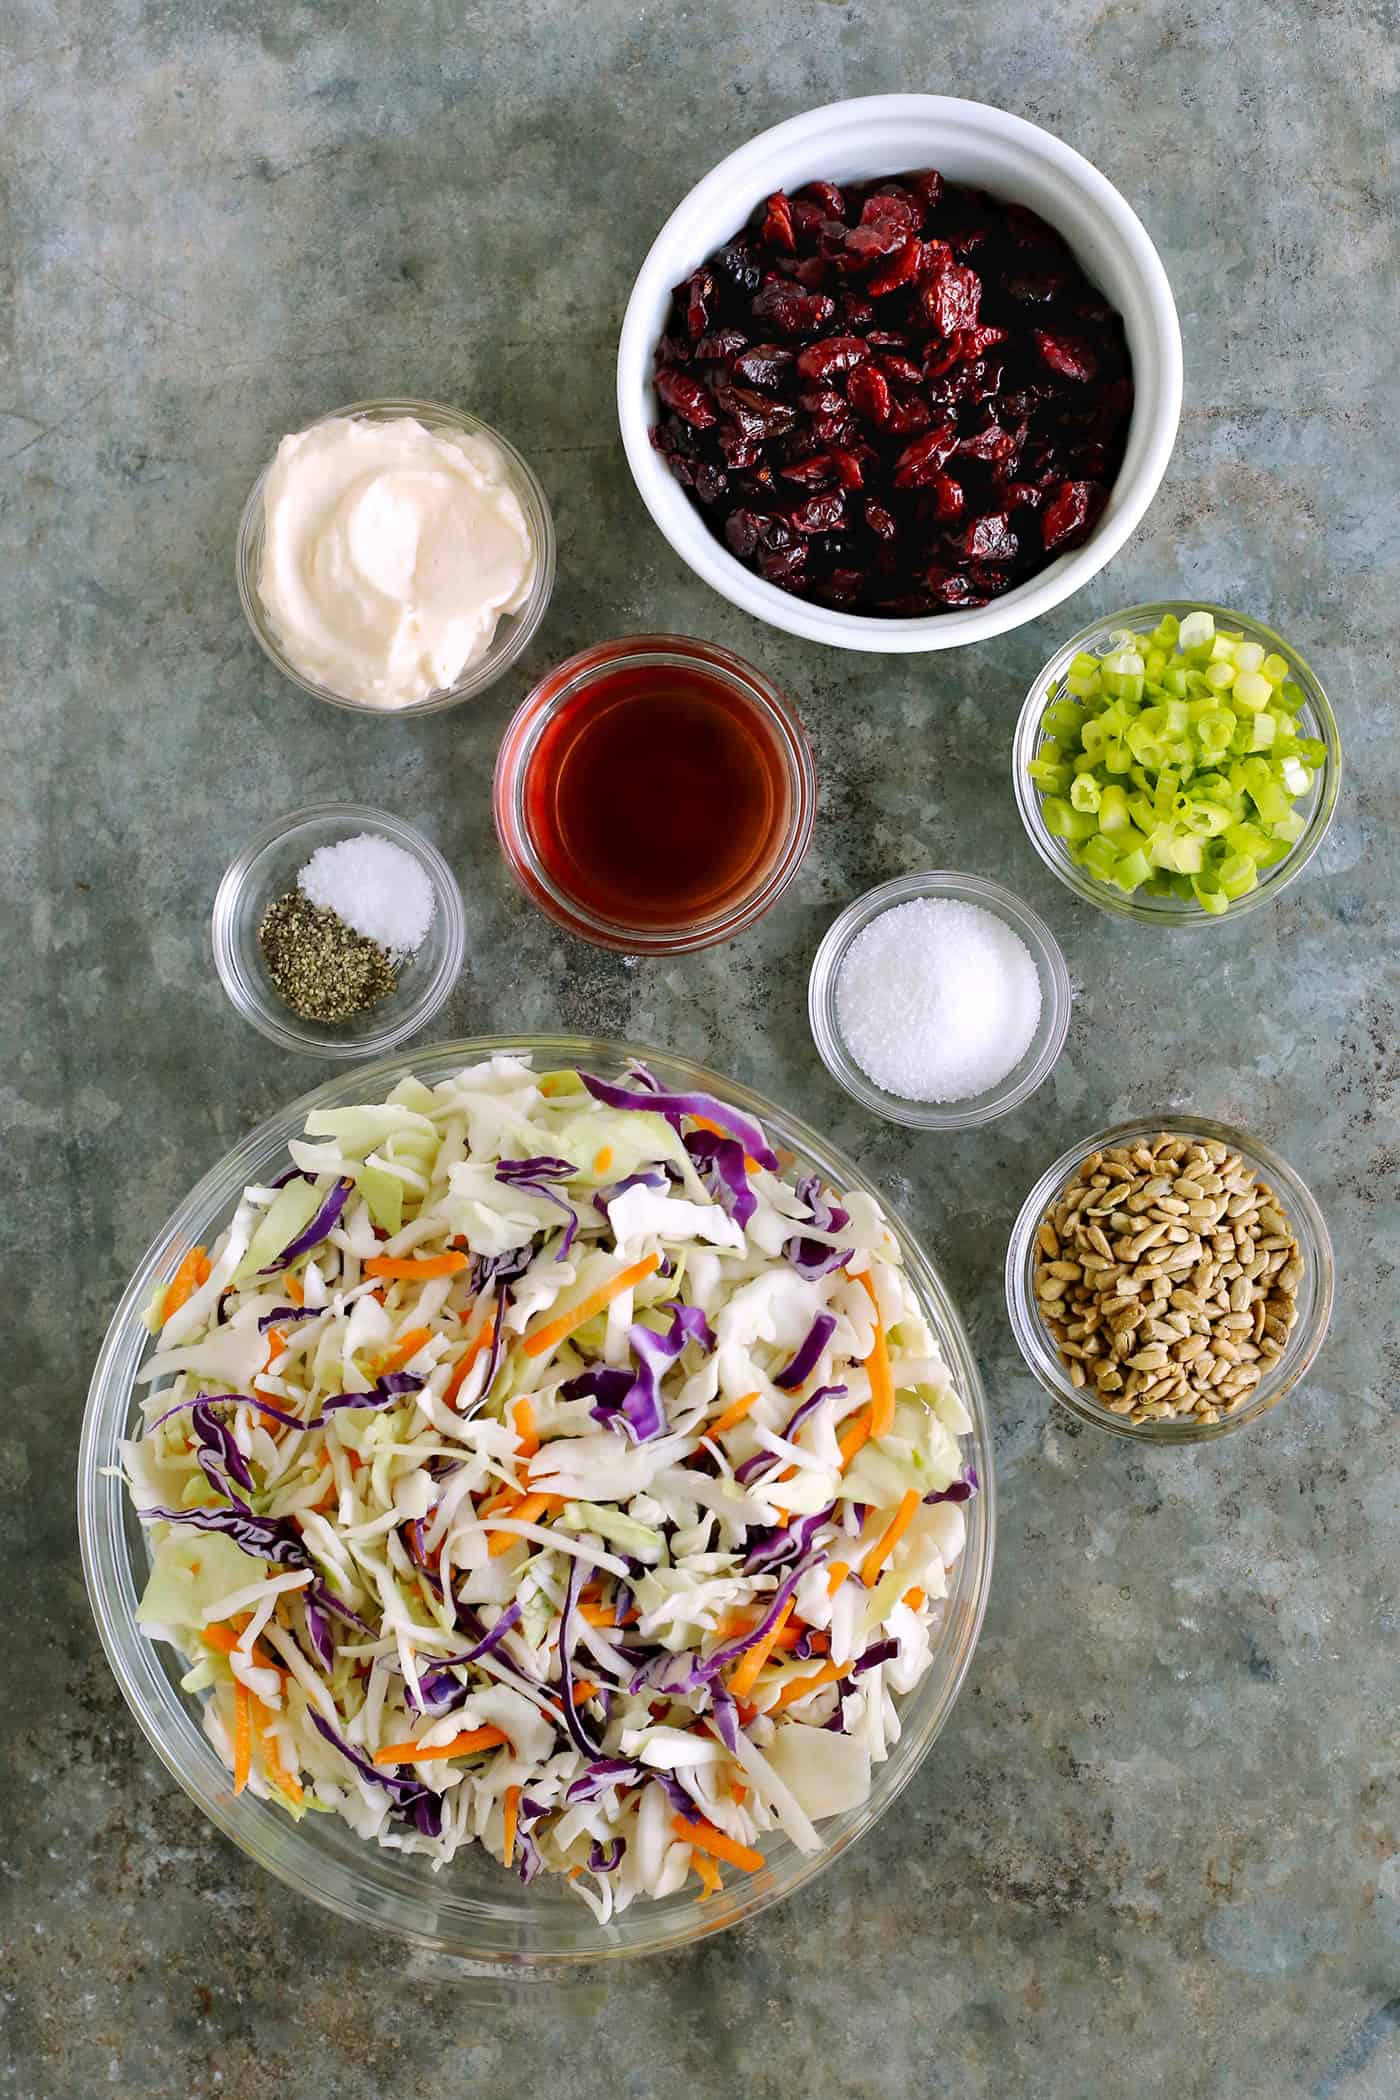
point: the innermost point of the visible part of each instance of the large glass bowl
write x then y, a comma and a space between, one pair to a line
473, 1909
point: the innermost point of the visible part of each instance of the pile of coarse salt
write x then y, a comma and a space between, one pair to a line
375, 887
937, 1000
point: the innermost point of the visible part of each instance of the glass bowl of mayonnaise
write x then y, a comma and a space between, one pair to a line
395, 557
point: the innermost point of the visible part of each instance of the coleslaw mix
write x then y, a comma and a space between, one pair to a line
535, 1464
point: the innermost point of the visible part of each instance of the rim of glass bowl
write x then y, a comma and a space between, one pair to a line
514, 633
521, 740
539, 1930
1309, 1331
1315, 715
277, 1022
1057, 1000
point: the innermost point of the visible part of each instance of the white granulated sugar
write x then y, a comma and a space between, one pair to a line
375, 887
937, 1000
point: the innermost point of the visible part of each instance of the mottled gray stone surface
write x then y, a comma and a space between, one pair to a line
1156, 1850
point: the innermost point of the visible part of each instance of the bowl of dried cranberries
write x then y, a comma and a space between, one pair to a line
900, 374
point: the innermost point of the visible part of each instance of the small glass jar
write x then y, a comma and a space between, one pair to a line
1315, 718
514, 631
1056, 1000
267, 869
521, 791
1037, 1344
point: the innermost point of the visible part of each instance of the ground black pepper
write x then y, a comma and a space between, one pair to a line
322, 968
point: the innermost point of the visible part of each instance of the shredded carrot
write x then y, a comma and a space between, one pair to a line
708, 1874
242, 1735
327, 1495
738, 1792
735, 1412
287, 1782
878, 1365
798, 1687
836, 1575
511, 1806
226, 1638
276, 1346
788, 1636
583, 1693
552, 1332
704, 1123
356, 1462
914, 1599
503, 1499
524, 1417
748, 1712
703, 1837
292, 1286
407, 1268
752, 1660
460, 1746
405, 1347
603, 1159
459, 1376
894, 1531
526, 1511
184, 1283
596, 1614
856, 1435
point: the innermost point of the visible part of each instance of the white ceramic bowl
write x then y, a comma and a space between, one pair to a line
969, 143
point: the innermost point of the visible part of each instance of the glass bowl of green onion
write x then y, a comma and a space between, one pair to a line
1177, 763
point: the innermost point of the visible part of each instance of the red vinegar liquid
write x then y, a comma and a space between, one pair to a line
657, 796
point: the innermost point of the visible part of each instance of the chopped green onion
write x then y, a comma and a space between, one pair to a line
1172, 763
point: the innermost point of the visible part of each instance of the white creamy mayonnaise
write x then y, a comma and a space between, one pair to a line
390, 553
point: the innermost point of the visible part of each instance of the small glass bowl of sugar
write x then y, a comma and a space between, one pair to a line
939, 1000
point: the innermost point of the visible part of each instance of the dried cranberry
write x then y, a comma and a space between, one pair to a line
792, 312
710, 482
1020, 495
682, 468
841, 587
737, 263
934, 258
897, 271
918, 463
869, 393
827, 196
908, 416
899, 368
822, 401
739, 449
891, 208
1070, 513
849, 471
700, 290
880, 521
990, 539
756, 415
949, 586
952, 300
815, 472
949, 501
687, 397
928, 186
971, 342
887, 339
808, 221
775, 229
834, 353
1069, 355
783, 565
873, 243
990, 442
720, 345
855, 313
819, 513
763, 364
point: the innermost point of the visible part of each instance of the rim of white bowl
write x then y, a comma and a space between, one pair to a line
711, 210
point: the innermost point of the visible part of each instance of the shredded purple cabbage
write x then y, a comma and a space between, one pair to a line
534, 1175
719, 1161
582, 1741
602, 1773
878, 1652
606, 1859
960, 1491
316, 1231
809, 1355
284, 1315
218, 1456
500, 1268
730, 1120
619, 1188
